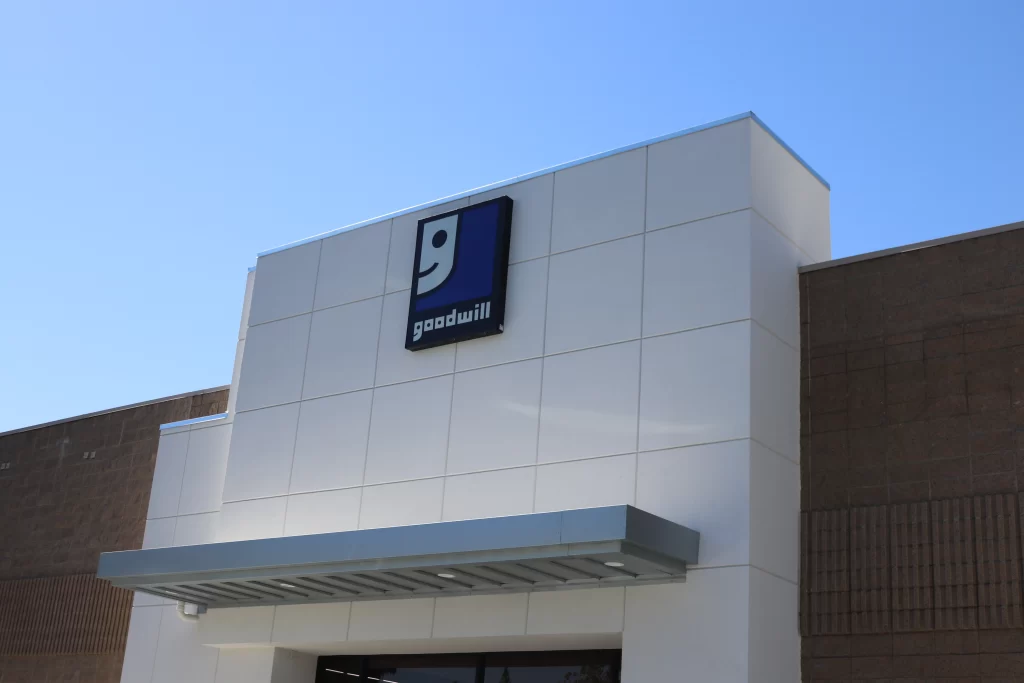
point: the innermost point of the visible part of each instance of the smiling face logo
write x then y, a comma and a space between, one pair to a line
459, 275
437, 253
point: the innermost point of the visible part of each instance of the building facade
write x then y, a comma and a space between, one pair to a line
68, 491
432, 467
649, 358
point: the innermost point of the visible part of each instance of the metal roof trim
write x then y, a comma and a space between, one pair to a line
193, 421
915, 246
552, 169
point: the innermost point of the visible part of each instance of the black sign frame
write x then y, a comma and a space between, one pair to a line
488, 312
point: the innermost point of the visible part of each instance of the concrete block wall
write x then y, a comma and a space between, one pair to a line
912, 393
650, 357
70, 490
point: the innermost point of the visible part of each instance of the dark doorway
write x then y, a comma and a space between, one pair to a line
566, 666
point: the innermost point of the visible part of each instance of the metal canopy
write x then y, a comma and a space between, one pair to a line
608, 546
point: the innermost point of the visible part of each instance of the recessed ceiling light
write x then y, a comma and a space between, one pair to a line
447, 576
285, 585
613, 564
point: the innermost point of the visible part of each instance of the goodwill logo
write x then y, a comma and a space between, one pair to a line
460, 275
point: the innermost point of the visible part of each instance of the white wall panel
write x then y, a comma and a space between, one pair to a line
586, 483
236, 376
695, 387
706, 488
248, 519
524, 321
489, 494
203, 481
698, 176
789, 196
596, 610
773, 638
245, 665
159, 533
531, 216
401, 504
774, 513
594, 296
196, 529
284, 284
395, 363
323, 623
589, 403
697, 274
170, 465
342, 353
775, 281
243, 325
293, 667
409, 430
330, 447
700, 627
260, 457
775, 393
391, 619
599, 201
495, 413
273, 363
480, 616
322, 512
140, 648
353, 265
237, 626
180, 655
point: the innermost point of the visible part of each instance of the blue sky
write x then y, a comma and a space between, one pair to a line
149, 150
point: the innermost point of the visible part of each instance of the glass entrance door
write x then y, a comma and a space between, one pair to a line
552, 667
427, 669
567, 666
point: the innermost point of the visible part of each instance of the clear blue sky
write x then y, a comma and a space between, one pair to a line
149, 150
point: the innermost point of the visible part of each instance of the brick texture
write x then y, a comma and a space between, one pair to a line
912, 429
871, 570
60, 511
828, 576
62, 615
956, 580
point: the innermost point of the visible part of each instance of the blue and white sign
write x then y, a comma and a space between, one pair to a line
459, 275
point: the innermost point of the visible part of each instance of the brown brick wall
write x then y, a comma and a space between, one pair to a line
60, 511
59, 615
912, 418
104, 668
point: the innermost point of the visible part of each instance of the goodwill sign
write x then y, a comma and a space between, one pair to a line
460, 275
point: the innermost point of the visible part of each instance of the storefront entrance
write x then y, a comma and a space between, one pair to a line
570, 666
